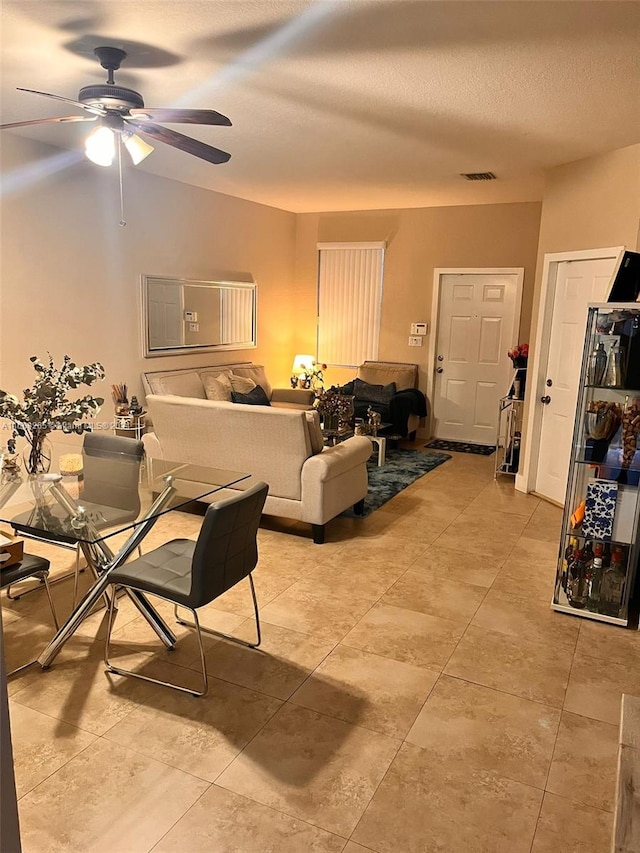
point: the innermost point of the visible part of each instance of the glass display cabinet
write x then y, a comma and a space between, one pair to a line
599, 543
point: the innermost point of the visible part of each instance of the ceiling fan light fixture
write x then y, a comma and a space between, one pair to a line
136, 146
100, 146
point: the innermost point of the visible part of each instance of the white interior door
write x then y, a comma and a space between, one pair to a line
577, 284
166, 326
478, 321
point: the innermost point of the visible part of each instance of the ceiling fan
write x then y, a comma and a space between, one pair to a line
123, 117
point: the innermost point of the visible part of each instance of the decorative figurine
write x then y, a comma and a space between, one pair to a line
375, 419
134, 407
10, 461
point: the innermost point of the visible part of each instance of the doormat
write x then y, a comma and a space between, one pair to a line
402, 468
461, 447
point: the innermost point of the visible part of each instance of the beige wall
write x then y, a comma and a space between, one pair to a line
70, 274
418, 241
589, 204
592, 203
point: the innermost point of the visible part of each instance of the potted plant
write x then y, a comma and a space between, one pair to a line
45, 407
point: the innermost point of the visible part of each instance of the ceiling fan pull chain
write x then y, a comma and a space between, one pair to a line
123, 221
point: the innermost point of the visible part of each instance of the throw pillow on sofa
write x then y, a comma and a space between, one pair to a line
218, 387
382, 394
242, 384
255, 397
184, 385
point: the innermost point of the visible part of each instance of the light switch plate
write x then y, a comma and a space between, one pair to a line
194, 327
415, 341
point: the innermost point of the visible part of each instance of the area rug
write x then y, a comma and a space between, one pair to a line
402, 468
461, 447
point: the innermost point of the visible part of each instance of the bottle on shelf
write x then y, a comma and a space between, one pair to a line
567, 563
613, 374
577, 587
598, 365
612, 587
595, 572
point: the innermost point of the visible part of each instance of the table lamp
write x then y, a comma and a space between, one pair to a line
302, 365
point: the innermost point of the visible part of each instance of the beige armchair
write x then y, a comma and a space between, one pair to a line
404, 409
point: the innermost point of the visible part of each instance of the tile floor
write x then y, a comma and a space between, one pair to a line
414, 693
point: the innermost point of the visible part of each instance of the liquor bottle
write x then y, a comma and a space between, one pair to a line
578, 581
595, 577
567, 563
588, 554
612, 586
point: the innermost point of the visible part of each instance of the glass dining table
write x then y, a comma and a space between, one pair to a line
109, 494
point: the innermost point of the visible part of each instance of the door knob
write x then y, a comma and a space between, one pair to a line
439, 369
440, 358
546, 399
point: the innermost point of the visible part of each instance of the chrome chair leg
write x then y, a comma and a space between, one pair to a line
51, 604
181, 621
120, 671
76, 579
42, 576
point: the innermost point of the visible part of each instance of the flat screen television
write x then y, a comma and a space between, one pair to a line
626, 281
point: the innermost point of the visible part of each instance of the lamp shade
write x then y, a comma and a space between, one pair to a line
302, 363
138, 149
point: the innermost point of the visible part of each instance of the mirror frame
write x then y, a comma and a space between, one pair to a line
156, 352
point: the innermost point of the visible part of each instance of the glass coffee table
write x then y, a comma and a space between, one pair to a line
379, 441
335, 436
116, 493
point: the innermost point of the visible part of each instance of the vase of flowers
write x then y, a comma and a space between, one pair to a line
519, 356
45, 407
335, 409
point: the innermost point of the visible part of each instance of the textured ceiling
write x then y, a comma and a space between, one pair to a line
351, 104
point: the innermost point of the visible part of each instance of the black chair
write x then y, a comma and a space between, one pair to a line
29, 567
191, 574
110, 499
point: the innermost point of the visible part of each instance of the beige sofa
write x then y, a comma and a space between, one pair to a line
192, 381
281, 446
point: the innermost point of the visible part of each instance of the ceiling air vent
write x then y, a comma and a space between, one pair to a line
478, 176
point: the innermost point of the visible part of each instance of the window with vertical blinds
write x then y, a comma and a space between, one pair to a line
349, 300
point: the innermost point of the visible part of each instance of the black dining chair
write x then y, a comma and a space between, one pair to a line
113, 489
191, 574
30, 566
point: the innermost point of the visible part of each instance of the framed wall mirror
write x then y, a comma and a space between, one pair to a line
181, 316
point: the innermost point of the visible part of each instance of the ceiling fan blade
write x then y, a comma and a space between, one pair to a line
47, 121
91, 109
184, 143
181, 116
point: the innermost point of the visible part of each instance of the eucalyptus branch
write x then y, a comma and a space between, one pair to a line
45, 406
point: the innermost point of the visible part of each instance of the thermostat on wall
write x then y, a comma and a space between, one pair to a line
191, 316
419, 329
